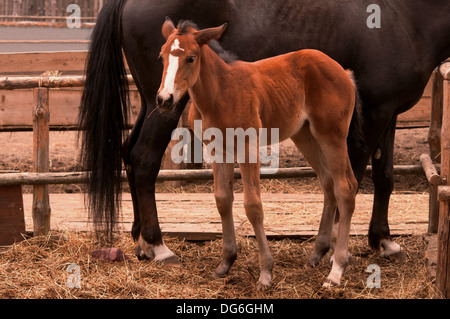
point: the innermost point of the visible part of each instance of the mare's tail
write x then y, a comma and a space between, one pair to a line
103, 117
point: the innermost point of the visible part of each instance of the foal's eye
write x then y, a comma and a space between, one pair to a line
190, 59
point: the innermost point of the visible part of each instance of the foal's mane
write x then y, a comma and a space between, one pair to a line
185, 26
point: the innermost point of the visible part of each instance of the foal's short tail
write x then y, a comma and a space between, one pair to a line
356, 139
103, 117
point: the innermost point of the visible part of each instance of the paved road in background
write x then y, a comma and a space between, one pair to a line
43, 33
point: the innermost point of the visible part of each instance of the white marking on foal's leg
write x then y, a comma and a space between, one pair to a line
155, 252
334, 278
389, 248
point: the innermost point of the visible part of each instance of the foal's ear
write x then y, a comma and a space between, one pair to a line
167, 28
206, 35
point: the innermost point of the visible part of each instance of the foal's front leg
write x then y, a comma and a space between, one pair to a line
254, 211
223, 192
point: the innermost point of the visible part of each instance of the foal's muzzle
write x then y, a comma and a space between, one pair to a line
165, 103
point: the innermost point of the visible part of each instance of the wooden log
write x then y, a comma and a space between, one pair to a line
443, 263
12, 83
176, 175
430, 170
434, 134
434, 180
41, 201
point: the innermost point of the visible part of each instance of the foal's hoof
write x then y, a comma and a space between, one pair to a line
262, 287
328, 283
219, 274
223, 269
313, 262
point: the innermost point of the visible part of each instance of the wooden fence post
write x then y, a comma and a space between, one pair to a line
41, 119
443, 268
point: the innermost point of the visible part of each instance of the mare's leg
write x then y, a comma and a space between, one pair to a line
146, 157
383, 179
223, 192
254, 211
308, 146
127, 147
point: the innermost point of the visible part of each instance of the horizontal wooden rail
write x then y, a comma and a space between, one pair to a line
29, 82
177, 175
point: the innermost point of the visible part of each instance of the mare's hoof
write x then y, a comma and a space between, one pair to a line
141, 255
171, 261
398, 257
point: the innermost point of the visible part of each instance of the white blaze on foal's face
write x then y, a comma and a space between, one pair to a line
172, 70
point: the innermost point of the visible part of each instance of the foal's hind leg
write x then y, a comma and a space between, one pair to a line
310, 149
223, 192
254, 212
345, 187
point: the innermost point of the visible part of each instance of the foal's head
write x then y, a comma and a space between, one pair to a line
181, 59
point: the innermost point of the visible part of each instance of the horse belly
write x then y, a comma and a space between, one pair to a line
285, 112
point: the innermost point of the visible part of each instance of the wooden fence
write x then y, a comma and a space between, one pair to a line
443, 267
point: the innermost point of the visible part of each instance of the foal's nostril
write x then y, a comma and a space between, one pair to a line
159, 100
169, 101
164, 103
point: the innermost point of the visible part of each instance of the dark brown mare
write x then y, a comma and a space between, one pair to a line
391, 64
306, 95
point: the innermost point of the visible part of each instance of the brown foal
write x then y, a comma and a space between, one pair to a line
307, 95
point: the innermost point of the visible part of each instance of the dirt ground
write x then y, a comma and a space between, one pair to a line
51, 256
